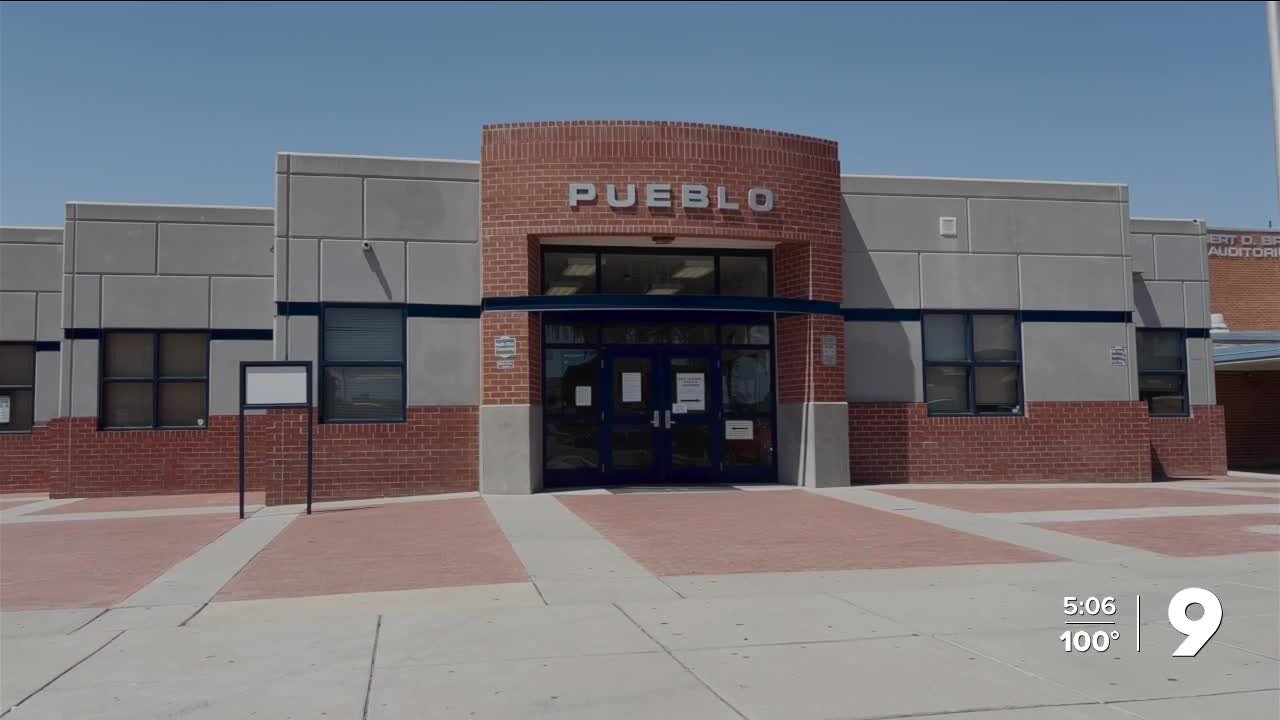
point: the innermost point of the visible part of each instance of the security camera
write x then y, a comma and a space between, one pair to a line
366, 246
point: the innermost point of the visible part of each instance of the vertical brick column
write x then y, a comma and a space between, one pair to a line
526, 170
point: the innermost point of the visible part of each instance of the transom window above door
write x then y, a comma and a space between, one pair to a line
636, 272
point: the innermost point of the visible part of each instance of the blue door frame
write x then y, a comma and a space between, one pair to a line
659, 440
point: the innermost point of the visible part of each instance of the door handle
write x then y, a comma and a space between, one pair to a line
656, 422
668, 419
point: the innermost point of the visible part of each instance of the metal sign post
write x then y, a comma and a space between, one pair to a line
275, 384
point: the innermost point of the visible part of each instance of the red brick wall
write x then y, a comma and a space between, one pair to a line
1053, 442
1251, 407
435, 450
1190, 446
1246, 290
29, 460
526, 169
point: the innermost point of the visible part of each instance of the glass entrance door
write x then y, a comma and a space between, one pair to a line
643, 398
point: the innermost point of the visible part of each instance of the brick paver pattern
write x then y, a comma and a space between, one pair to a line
155, 502
95, 563
787, 530
439, 543
1182, 536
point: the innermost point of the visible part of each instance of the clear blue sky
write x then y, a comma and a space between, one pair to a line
188, 103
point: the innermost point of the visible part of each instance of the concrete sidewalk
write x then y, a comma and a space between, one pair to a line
599, 629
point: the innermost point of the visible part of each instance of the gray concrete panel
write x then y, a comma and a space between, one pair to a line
881, 280
902, 223
422, 210
68, 296
304, 271
86, 294
1197, 301
64, 379
30, 235
325, 206
84, 378
1074, 283
1044, 226
1180, 257
813, 444
48, 369
215, 214
115, 247
280, 338
883, 362
1143, 250
444, 361
443, 273
280, 274
1159, 304
348, 273
214, 250
366, 166
1071, 362
1199, 371
224, 371
975, 282
976, 188
1167, 226
303, 343
49, 316
155, 302
282, 205
33, 267
69, 248
18, 316
240, 302
510, 449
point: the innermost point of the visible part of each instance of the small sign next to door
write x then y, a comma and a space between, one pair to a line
504, 347
739, 430
829, 350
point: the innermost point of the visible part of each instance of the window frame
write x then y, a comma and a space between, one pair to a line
971, 364
155, 380
403, 364
31, 387
1183, 373
599, 251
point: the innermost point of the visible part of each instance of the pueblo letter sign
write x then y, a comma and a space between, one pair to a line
1244, 245
665, 195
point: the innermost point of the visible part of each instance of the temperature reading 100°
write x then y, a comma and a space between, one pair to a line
1099, 611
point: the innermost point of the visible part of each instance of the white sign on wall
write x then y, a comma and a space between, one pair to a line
667, 195
504, 347
829, 350
4, 410
280, 385
1119, 356
631, 387
739, 430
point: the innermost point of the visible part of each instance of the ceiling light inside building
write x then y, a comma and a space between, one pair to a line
580, 267
663, 289
562, 290
694, 269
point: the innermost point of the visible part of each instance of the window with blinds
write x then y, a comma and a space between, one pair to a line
362, 364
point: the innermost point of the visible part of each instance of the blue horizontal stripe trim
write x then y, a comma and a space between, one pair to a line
1198, 332
82, 333
444, 311
48, 346
1077, 316
537, 303
880, 315
297, 309
225, 334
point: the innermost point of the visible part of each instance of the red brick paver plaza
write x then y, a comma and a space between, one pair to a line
95, 563
156, 502
1182, 536
786, 530
1036, 499
439, 543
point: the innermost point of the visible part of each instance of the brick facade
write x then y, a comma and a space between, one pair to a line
1190, 446
30, 459
1053, 442
1250, 402
526, 169
1245, 290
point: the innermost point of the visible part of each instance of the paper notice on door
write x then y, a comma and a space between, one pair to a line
582, 395
679, 409
631, 388
692, 391
739, 430
4, 410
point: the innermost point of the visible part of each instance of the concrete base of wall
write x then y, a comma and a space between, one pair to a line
813, 444
510, 449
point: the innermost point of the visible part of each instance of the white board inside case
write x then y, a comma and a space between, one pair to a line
275, 385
